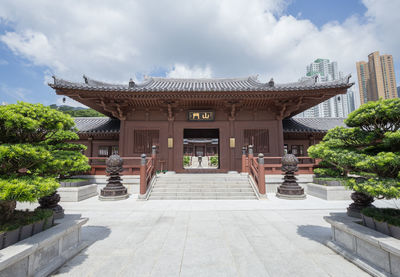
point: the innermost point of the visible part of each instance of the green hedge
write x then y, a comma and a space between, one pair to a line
391, 216
22, 218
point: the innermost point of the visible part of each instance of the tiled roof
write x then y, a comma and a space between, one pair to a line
101, 125
96, 125
250, 83
311, 124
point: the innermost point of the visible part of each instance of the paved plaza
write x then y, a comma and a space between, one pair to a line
271, 237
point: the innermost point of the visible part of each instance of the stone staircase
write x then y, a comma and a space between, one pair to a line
202, 186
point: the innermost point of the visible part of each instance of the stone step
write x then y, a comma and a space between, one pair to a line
203, 198
202, 187
206, 185
190, 189
199, 180
211, 194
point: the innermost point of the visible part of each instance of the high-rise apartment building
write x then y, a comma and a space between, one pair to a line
337, 106
376, 78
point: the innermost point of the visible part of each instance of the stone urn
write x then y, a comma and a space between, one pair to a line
114, 190
290, 189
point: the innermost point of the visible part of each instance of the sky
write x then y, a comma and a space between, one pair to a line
114, 41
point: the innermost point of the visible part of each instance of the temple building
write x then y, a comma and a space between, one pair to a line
201, 117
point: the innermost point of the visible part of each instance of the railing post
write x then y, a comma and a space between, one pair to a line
261, 174
251, 156
153, 151
143, 185
244, 159
154, 154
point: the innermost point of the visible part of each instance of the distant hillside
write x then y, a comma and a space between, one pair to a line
76, 111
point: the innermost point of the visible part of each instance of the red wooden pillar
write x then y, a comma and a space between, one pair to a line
244, 159
143, 185
261, 174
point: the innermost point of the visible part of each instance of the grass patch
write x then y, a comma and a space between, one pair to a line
22, 218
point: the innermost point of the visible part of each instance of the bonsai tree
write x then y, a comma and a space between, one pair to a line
369, 149
35, 149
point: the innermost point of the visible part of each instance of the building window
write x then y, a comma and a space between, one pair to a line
103, 151
285, 148
259, 138
114, 150
143, 140
297, 150
106, 151
188, 150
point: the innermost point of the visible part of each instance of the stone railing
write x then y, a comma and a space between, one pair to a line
43, 253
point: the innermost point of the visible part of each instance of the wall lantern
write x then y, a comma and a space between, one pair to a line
170, 143
232, 142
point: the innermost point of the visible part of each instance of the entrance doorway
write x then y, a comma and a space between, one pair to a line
201, 149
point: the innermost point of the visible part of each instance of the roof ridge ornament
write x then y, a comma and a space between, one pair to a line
271, 83
348, 78
131, 83
86, 79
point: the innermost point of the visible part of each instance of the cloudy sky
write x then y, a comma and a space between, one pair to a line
121, 39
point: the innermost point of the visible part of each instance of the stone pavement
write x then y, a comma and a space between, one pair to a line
271, 237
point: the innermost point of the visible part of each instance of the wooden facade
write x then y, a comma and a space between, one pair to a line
169, 112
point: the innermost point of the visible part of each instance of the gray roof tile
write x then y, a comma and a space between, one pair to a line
311, 124
250, 83
97, 125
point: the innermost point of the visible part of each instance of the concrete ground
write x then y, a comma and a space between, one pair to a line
271, 237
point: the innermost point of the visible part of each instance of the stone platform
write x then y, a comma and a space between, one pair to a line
76, 194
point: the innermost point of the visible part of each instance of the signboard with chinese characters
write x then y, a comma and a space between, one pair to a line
201, 115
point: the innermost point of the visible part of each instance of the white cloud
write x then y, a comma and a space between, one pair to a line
182, 71
116, 40
17, 93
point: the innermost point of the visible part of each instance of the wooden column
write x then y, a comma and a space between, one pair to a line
143, 185
90, 148
121, 144
231, 150
280, 137
261, 174
171, 119
244, 159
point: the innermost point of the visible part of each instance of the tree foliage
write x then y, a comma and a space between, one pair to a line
35, 149
370, 148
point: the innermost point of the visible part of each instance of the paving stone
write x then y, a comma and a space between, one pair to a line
270, 237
